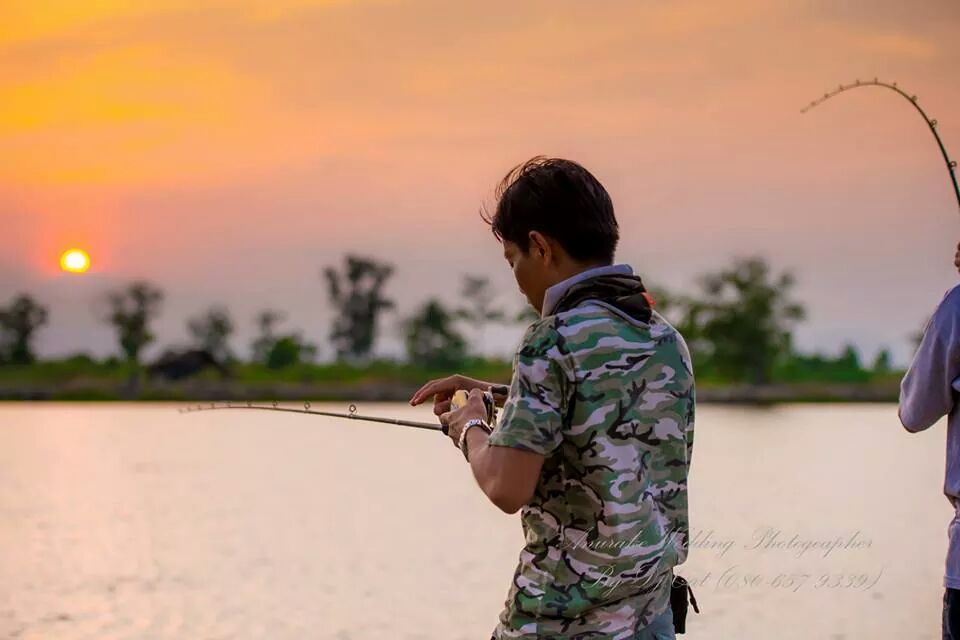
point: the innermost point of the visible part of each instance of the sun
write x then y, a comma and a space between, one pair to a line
75, 261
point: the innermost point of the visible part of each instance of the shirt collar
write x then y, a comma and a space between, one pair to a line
554, 292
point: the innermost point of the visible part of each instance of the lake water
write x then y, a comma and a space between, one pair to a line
133, 521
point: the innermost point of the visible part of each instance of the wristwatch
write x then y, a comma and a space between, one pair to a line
473, 422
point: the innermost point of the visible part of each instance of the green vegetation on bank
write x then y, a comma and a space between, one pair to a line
78, 378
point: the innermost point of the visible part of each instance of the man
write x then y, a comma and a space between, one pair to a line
929, 392
596, 432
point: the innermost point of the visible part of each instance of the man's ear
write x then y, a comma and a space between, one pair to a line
540, 246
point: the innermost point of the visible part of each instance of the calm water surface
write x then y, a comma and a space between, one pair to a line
131, 521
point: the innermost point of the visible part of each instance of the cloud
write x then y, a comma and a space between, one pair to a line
132, 115
878, 41
28, 21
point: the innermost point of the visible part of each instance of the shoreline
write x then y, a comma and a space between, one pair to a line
380, 391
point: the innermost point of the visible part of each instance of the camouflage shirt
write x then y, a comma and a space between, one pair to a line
609, 402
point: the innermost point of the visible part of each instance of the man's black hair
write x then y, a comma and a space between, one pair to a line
560, 199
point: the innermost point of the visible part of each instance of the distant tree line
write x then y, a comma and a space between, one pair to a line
739, 324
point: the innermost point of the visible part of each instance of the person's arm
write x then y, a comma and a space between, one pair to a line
926, 392
507, 463
507, 476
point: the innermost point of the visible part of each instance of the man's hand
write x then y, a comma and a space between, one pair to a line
475, 408
442, 390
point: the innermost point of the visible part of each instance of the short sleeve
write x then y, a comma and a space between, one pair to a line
532, 415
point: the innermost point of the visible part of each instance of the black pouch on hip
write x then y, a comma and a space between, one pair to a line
680, 596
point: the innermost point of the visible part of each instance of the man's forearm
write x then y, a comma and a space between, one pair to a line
507, 475
487, 466
480, 463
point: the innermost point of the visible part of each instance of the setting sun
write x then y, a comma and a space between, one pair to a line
75, 261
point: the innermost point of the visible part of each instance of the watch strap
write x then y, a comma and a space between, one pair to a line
475, 422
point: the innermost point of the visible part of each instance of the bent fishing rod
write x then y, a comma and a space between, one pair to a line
458, 400
931, 123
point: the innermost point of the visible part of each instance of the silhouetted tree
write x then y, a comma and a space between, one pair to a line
431, 338
357, 294
131, 310
18, 324
267, 321
288, 350
744, 319
211, 332
883, 363
850, 358
479, 310
277, 351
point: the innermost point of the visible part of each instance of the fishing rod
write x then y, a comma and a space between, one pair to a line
932, 124
352, 415
458, 400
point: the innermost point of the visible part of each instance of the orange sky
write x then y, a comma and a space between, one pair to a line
228, 150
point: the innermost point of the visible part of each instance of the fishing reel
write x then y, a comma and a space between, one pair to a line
459, 400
